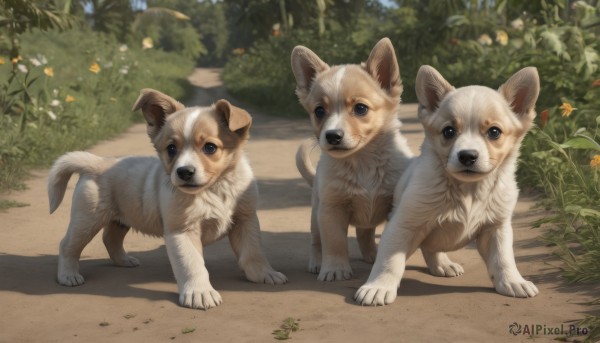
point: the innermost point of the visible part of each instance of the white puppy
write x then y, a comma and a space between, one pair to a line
462, 187
199, 189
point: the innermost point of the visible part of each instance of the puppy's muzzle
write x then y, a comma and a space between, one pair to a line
186, 173
334, 137
468, 157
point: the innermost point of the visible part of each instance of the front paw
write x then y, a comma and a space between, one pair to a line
335, 272
314, 262
516, 287
450, 269
375, 295
266, 275
196, 295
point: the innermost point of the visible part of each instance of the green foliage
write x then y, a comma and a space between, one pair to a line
53, 102
288, 326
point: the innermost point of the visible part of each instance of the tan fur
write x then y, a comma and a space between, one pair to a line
354, 180
462, 187
150, 195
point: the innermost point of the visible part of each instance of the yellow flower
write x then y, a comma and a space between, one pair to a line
2, 61
595, 162
502, 37
49, 71
69, 98
147, 43
16, 60
566, 109
94, 68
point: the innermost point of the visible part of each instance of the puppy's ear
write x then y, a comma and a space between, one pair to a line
237, 119
431, 88
305, 66
155, 106
521, 92
383, 67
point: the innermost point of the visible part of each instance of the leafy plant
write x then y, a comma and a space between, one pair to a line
288, 326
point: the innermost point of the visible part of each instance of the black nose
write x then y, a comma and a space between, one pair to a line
186, 172
334, 137
468, 157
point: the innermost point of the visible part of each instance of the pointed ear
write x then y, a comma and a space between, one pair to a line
521, 92
237, 119
305, 66
431, 88
155, 106
383, 67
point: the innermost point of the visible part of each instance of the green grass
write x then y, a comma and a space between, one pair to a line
38, 121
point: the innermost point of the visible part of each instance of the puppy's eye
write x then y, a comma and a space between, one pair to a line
361, 109
171, 150
494, 133
209, 148
449, 132
320, 112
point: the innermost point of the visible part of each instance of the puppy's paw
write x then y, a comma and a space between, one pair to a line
336, 272
314, 266
375, 295
127, 261
70, 279
198, 296
369, 256
516, 287
266, 275
449, 269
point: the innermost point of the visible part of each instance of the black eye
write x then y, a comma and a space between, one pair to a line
449, 132
171, 150
320, 112
494, 133
209, 148
361, 109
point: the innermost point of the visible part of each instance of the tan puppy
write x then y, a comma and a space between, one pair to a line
462, 187
354, 113
199, 189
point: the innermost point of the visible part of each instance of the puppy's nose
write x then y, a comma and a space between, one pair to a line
334, 137
186, 172
468, 157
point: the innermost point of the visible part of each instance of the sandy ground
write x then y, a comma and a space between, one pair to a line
140, 304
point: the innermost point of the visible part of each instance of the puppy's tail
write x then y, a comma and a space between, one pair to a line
74, 162
303, 162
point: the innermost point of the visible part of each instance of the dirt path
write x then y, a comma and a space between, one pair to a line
135, 305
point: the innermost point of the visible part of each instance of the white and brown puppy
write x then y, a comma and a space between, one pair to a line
354, 113
199, 189
462, 187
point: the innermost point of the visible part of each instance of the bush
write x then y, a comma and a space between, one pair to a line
72, 89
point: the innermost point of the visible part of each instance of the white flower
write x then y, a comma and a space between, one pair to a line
55, 103
124, 70
51, 115
22, 68
517, 24
42, 59
123, 48
485, 39
35, 62
55, 92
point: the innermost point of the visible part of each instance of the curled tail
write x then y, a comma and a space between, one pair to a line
303, 162
74, 162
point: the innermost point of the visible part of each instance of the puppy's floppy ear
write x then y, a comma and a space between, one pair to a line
305, 66
383, 67
237, 119
431, 88
155, 106
521, 92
